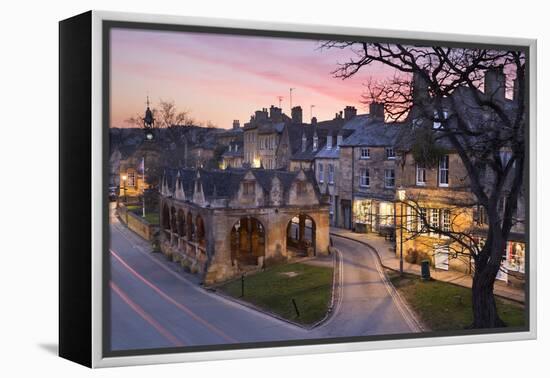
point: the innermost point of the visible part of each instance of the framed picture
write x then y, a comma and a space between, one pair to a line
232, 189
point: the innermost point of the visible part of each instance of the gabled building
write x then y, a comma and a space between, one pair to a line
367, 174
233, 157
221, 223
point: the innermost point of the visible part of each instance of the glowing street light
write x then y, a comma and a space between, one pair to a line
401, 196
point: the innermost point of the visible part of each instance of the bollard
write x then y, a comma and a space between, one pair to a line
296, 308
242, 286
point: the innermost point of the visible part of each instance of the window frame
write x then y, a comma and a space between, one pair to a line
364, 180
440, 170
386, 178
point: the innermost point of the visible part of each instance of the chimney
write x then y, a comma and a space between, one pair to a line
296, 114
420, 88
516, 89
260, 115
495, 83
349, 112
275, 114
236, 124
376, 110
314, 121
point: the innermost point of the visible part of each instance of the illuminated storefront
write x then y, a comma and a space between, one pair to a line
370, 215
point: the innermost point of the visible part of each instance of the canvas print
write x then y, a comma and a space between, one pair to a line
286, 189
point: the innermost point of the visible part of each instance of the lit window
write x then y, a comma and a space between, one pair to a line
420, 175
364, 178
390, 153
444, 171
389, 178
365, 153
446, 220
434, 220
131, 180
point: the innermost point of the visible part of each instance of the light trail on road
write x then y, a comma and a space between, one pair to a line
169, 299
145, 316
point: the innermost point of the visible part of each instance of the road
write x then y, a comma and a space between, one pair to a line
154, 305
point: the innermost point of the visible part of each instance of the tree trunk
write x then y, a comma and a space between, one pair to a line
483, 300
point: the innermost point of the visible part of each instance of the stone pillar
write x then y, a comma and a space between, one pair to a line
218, 248
302, 228
322, 237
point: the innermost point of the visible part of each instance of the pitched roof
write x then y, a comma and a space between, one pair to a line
226, 183
373, 134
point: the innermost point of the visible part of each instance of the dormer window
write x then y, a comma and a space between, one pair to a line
329, 142
229, 148
315, 142
249, 188
304, 142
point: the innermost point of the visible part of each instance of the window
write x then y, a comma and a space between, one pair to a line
390, 153
131, 180
331, 202
365, 153
481, 215
446, 220
434, 220
315, 143
301, 187
386, 213
420, 175
437, 123
321, 172
422, 219
331, 174
444, 171
389, 178
364, 178
249, 188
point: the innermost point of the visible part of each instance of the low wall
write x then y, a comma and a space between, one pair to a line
136, 223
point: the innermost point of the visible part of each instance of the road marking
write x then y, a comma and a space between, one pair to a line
169, 299
145, 316
124, 233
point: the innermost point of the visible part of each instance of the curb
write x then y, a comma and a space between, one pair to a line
518, 301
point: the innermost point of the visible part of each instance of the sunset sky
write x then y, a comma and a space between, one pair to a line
220, 78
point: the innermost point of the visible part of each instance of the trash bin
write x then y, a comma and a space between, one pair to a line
425, 270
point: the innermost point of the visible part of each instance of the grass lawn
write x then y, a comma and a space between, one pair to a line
443, 306
152, 218
273, 290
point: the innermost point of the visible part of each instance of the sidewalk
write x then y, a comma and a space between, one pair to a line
386, 253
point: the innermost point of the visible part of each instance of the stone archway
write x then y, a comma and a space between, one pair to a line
301, 233
248, 242
200, 233
181, 223
166, 219
190, 227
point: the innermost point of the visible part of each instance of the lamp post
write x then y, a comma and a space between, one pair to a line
401, 196
124, 178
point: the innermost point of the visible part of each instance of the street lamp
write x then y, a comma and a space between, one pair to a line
124, 178
401, 196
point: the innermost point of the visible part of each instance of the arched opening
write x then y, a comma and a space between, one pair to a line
165, 218
200, 233
181, 223
300, 235
190, 227
248, 242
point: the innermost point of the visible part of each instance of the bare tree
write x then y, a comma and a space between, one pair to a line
444, 89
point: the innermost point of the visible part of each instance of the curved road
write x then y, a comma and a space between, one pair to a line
154, 304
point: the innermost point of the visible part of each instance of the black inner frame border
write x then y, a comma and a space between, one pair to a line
108, 25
